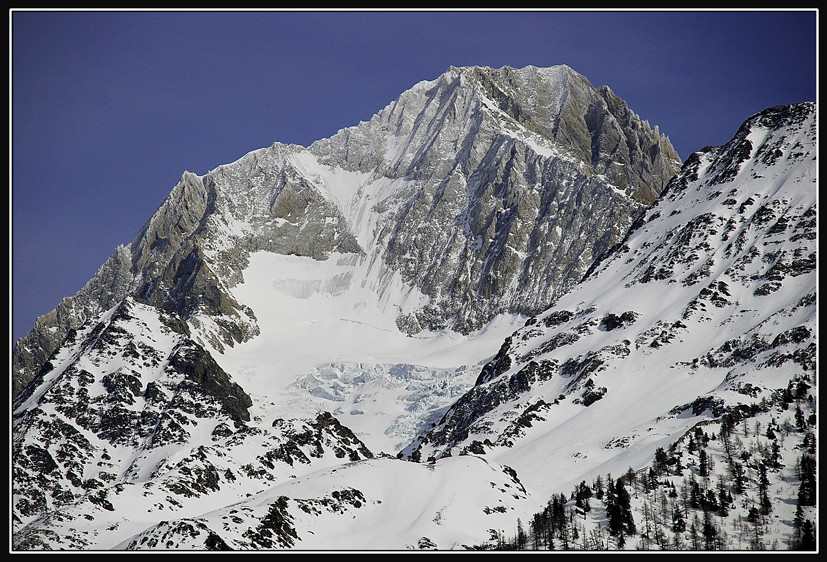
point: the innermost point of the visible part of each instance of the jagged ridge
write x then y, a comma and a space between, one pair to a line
727, 249
465, 185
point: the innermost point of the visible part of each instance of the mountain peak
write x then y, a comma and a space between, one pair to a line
477, 167
593, 124
727, 250
231, 374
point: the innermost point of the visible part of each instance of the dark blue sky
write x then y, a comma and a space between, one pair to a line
109, 108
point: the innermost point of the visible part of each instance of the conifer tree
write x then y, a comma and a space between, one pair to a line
598, 488
710, 532
693, 533
798, 527
808, 537
807, 488
765, 506
800, 423
624, 511
613, 509
678, 522
695, 494
710, 502
661, 463
521, 538
724, 498
775, 455
738, 477
703, 463
754, 517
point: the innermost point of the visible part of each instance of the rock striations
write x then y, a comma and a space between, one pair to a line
707, 307
164, 406
489, 191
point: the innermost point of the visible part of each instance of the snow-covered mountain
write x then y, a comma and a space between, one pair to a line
259, 367
460, 201
706, 309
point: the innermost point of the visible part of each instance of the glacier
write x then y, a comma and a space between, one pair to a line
261, 365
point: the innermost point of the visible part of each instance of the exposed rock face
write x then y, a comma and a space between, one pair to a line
106, 289
728, 252
486, 191
130, 380
133, 400
489, 190
519, 178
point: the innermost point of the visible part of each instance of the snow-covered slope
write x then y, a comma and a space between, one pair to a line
460, 201
374, 504
259, 366
325, 345
707, 307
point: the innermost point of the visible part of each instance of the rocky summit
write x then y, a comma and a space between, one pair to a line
500, 293
487, 191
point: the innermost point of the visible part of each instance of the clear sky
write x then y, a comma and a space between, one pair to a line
109, 108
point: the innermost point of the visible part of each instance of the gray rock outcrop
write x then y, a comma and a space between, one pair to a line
489, 190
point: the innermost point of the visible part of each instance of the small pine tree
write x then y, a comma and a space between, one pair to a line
807, 488
763, 487
738, 477
661, 463
710, 532
598, 488
808, 536
754, 517
678, 522
775, 455
798, 526
711, 502
703, 463
724, 498
693, 534
624, 502
695, 493
521, 539
800, 422
614, 509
